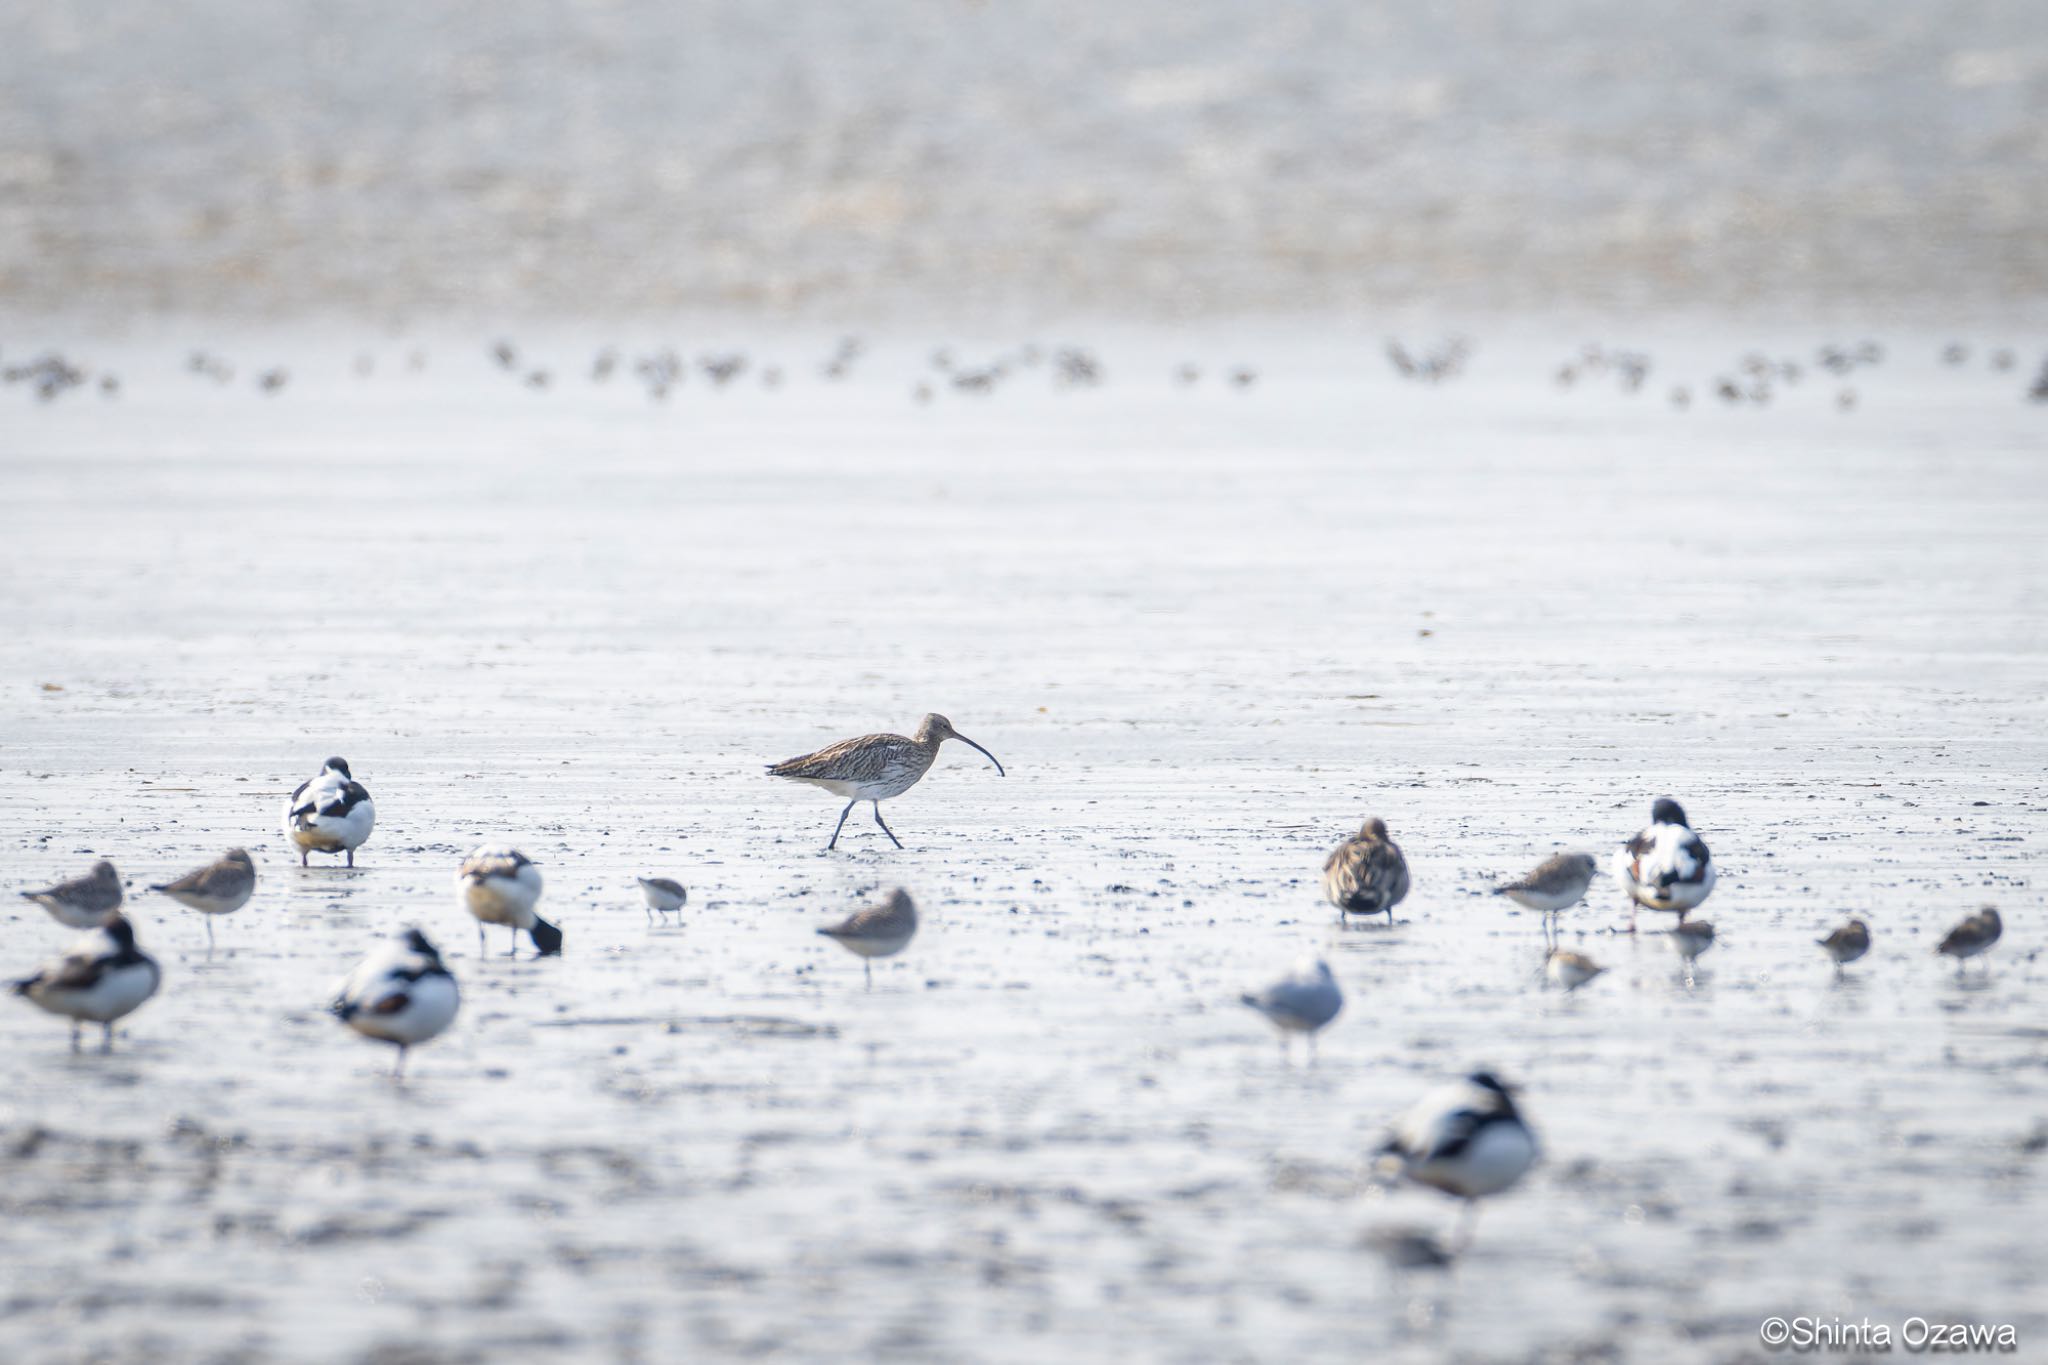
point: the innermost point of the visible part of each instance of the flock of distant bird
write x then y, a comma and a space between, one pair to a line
1469, 1140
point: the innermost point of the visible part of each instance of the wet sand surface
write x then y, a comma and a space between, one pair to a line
1207, 631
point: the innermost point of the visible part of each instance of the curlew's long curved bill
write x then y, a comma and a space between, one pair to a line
984, 753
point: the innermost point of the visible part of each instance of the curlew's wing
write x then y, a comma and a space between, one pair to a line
850, 759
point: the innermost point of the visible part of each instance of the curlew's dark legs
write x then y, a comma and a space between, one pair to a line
842, 824
885, 829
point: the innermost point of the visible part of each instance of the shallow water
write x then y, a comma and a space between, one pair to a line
1207, 631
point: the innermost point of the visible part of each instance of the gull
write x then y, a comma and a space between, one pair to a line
83, 902
1558, 883
103, 977
501, 885
220, 888
879, 931
1972, 937
1665, 867
1467, 1140
1847, 943
875, 768
1366, 874
401, 993
662, 894
330, 813
1303, 1001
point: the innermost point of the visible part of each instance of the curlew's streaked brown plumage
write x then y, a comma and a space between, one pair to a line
1366, 874
879, 931
875, 768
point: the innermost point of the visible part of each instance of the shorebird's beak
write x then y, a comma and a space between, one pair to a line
984, 753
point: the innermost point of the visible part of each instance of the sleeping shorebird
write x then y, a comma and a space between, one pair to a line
331, 813
1366, 874
879, 931
1847, 943
1558, 883
102, 978
1467, 1140
220, 888
1570, 970
1972, 937
501, 886
1302, 1001
83, 902
1665, 867
663, 895
401, 993
874, 768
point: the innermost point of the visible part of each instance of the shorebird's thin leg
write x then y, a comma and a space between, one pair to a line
842, 824
352, 863
303, 855
512, 939
398, 1071
107, 1037
480, 945
1312, 1051
867, 973
74, 1035
209, 936
885, 829
1468, 1224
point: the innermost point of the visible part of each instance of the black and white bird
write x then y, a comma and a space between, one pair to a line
1665, 867
1847, 944
664, 895
330, 813
401, 994
1558, 883
1366, 874
1468, 1140
103, 977
1303, 1001
501, 886
83, 902
879, 931
1972, 937
220, 888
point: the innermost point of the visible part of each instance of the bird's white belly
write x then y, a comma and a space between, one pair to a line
114, 995
1547, 902
430, 1008
876, 947
501, 900
317, 833
1494, 1160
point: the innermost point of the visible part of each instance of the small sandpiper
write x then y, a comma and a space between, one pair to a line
103, 977
875, 768
664, 896
220, 888
1303, 1001
1366, 874
1570, 970
401, 993
1973, 937
1847, 943
501, 885
83, 902
879, 931
329, 813
1665, 867
1468, 1140
1558, 883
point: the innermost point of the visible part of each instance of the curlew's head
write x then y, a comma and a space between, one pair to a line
1374, 829
936, 729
